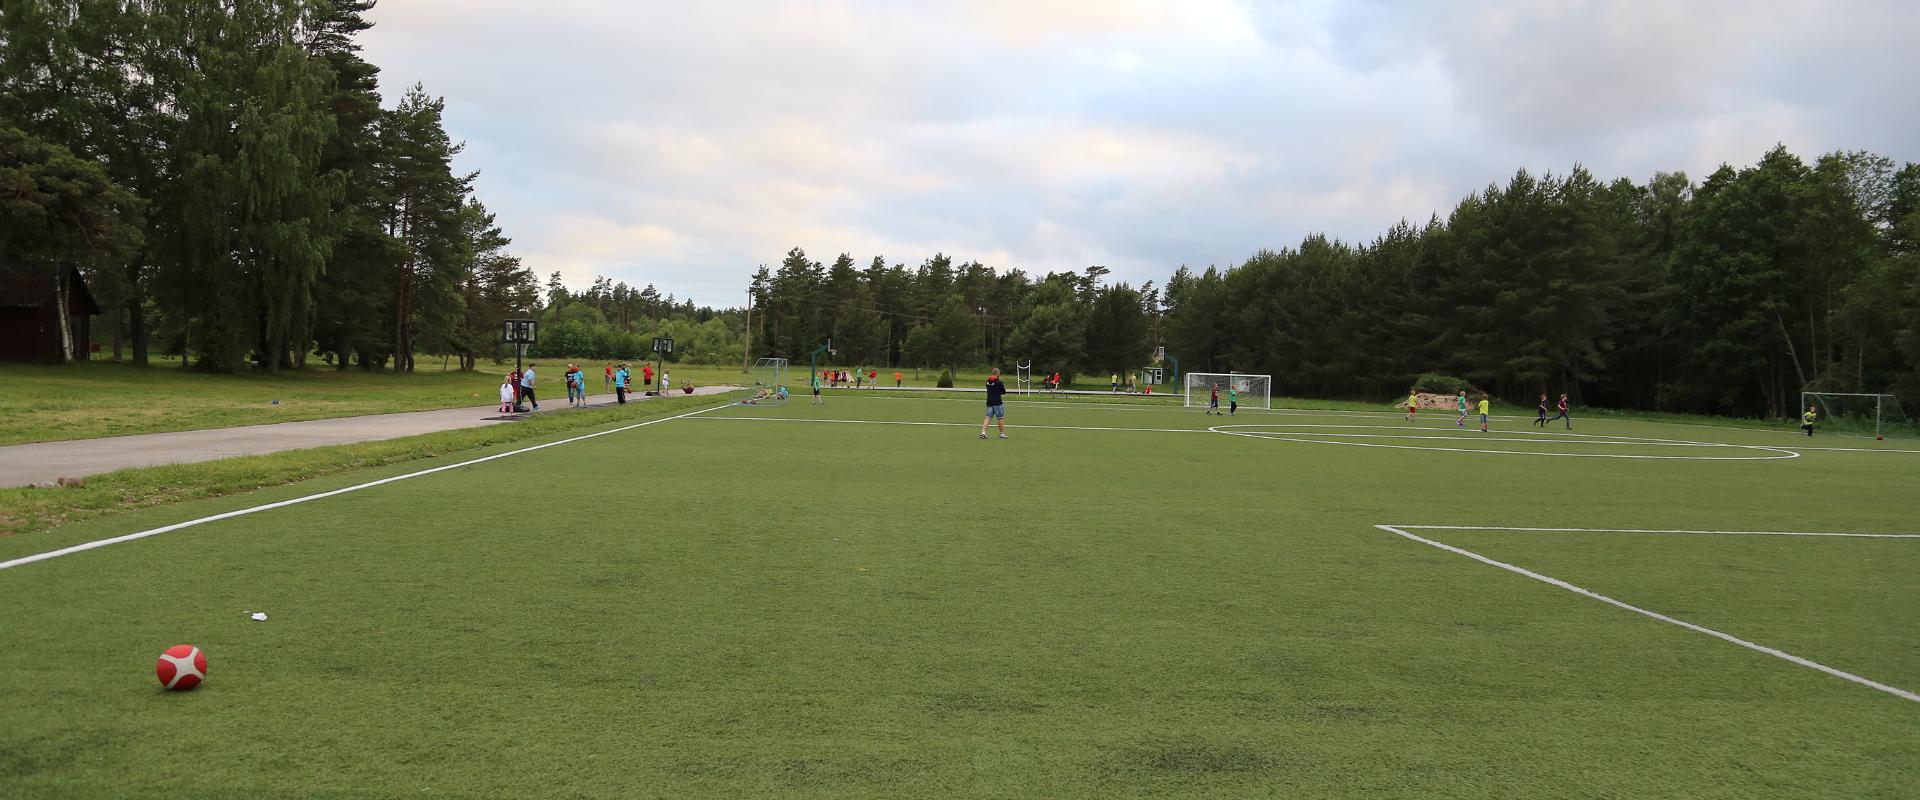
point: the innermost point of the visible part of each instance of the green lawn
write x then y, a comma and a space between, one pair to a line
864, 599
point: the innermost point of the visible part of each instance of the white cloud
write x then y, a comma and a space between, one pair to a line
683, 144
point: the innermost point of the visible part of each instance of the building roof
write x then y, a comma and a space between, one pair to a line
24, 287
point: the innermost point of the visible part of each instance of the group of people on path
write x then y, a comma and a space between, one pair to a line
868, 378
518, 390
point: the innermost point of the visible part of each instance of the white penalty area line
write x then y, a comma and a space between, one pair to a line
1649, 530
85, 546
956, 424
1552, 581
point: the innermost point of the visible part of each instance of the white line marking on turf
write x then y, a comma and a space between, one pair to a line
1296, 436
1643, 530
956, 424
85, 546
1551, 581
1311, 412
1303, 436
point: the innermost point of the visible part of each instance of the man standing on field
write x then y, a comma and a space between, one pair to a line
526, 387
996, 408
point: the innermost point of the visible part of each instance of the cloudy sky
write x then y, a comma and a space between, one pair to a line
685, 143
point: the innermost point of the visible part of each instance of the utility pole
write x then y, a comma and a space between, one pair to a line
746, 357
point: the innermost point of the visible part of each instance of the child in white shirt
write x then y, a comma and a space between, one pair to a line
506, 397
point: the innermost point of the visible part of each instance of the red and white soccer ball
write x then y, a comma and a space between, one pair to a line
182, 667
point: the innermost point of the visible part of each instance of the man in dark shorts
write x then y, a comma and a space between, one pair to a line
526, 387
996, 408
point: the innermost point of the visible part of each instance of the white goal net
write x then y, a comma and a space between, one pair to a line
1249, 391
767, 382
1862, 414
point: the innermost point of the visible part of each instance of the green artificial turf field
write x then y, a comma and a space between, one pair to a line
865, 599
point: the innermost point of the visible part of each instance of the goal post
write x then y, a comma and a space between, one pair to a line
1850, 412
1256, 391
767, 382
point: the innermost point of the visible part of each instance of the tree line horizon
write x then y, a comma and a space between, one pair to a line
1727, 296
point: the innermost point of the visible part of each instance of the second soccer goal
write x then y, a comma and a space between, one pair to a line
1250, 391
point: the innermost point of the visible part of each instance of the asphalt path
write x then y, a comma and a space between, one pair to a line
26, 464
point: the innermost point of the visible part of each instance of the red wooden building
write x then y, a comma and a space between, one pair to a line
29, 326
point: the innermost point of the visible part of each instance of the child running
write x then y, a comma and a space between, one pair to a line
1413, 403
1483, 413
1233, 399
1806, 421
1213, 402
1462, 403
1542, 420
1563, 414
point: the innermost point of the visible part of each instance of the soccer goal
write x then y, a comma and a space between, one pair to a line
767, 382
1256, 391
1879, 414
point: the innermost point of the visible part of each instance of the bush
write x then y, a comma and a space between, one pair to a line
1441, 384
946, 380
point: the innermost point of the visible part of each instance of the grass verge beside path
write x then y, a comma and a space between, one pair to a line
47, 403
25, 511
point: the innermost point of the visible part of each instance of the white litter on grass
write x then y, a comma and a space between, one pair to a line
257, 616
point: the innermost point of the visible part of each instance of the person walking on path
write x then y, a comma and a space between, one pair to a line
896, 378
1563, 414
666, 380
577, 382
1115, 380
873, 378
996, 406
506, 395
526, 387
620, 378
